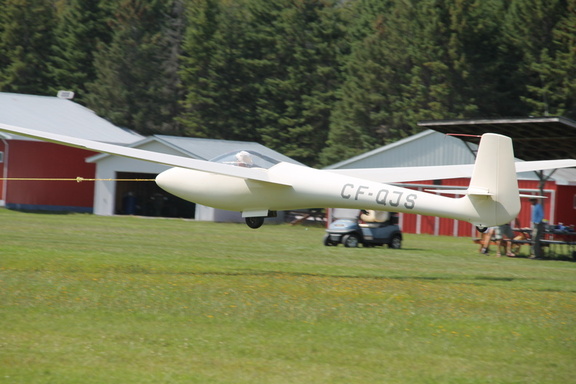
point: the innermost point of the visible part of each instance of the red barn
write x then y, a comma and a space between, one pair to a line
23, 158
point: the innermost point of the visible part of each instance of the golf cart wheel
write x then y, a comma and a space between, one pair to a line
395, 242
327, 242
350, 241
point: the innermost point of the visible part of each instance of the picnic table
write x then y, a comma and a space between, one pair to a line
560, 242
555, 243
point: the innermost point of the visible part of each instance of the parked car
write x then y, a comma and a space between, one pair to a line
353, 232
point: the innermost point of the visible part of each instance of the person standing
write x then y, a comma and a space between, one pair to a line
537, 223
491, 232
506, 236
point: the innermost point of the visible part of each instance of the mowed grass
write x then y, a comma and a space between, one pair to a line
87, 299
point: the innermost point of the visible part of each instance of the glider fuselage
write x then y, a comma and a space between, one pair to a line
309, 188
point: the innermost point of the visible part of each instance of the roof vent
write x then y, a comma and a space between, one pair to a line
69, 95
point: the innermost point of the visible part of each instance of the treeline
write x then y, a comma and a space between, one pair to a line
318, 80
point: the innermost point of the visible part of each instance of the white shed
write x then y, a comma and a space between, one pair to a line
140, 195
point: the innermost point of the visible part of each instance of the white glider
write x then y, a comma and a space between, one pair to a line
492, 197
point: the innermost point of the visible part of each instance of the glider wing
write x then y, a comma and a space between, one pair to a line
156, 157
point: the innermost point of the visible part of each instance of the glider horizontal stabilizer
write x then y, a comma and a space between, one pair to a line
467, 191
411, 174
463, 191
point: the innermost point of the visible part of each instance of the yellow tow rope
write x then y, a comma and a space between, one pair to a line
77, 179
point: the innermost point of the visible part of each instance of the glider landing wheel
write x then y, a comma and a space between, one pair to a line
481, 229
254, 222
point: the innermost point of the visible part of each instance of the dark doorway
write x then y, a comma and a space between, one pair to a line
145, 198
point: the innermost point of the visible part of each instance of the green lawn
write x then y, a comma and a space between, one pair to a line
87, 299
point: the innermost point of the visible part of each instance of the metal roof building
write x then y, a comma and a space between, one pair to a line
425, 148
135, 197
535, 138
61, 116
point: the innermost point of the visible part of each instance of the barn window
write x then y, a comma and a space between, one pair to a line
1, 157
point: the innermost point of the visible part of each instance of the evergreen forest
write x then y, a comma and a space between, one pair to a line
317, 80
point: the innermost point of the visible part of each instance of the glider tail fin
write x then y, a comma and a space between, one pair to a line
493, 189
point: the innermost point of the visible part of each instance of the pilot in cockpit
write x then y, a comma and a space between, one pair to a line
244, 159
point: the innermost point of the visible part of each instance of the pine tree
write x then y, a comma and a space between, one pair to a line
26, 37
395, 75
564, 65
358, 118
263, 71
529, 31
216, 69
131, 71
298, 92
555, 94
455, 71
82, 26
417, 60
492, 82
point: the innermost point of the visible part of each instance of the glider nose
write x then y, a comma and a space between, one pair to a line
184, 183
167, 180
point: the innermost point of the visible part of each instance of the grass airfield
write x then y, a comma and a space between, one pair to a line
88, 299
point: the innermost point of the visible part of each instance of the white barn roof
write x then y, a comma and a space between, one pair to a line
207, 149
432, 148
425, 148
60, 116
204, 149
